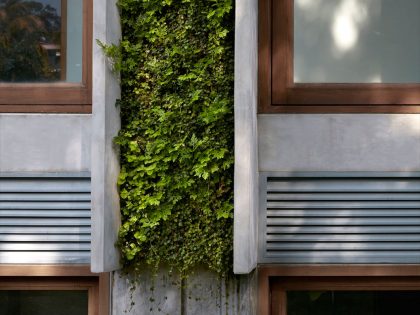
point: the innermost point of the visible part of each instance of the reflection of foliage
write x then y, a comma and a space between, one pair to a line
25, 25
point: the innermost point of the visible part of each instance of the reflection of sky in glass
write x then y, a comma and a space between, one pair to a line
56, 4
356, 41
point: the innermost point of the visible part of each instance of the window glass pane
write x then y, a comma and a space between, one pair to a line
353, 302
356, 41
34, 302
41, 41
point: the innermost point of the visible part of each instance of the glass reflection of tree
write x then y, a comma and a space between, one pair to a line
29, 41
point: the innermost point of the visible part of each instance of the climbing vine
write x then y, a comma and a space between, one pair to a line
176, 141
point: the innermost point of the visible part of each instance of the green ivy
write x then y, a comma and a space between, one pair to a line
176, 182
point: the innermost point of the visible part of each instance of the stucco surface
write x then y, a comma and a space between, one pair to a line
339, 142
45, 143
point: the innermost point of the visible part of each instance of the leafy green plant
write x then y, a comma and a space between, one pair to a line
176, 181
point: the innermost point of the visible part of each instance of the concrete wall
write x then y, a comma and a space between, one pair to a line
105, 155
246, 162
203, 293
45, 143
343, 142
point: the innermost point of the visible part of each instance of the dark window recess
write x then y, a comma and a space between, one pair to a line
37, 302
353, 302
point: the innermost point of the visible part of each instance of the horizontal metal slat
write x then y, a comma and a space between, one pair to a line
342, 229
44, 246
45, 219
36, 197
344, 246
44, 237
44, 222
342, 237
45, 229
332, 257
44, 205
47, 185
343, 205
65, 257
334, 196
344, 185
343, 221
44, 213
342, 218
343, 213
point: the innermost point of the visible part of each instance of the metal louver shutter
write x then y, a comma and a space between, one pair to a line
340, 218
45, 218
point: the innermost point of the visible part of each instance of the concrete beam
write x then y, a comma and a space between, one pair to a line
246, 162
105, 155
45, 143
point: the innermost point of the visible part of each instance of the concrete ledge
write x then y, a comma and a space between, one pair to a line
339, 142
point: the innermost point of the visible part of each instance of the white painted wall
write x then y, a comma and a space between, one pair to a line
45, 143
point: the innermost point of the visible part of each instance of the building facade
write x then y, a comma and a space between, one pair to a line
58, 166
327, 163
327, 136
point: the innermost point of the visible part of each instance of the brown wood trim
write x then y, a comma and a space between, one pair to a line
352, 94
264, 298
338, 270
49, 283
59, 97
104, 293
333, 277
282, 54
264, 54
46, 271
90, 284
80, 109
345, 284
279, 94
87, 46
278, 303
342, 109
60, 277
93, 300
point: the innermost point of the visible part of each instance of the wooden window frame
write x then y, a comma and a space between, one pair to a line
277, 92
275, 280
55, 97
59, 277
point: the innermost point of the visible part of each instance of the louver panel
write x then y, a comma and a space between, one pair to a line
340, 218
45, 219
